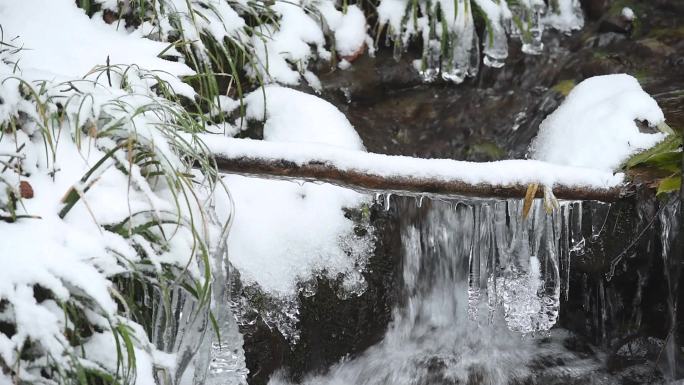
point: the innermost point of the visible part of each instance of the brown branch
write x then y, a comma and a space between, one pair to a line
371, 182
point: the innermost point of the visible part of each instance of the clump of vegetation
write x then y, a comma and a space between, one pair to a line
661, 165
114, 287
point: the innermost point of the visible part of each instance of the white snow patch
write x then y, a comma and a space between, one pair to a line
294, 116
351, 33
628, 13
595, 126
284, 231
60, 42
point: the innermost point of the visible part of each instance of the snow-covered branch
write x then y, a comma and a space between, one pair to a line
414, 176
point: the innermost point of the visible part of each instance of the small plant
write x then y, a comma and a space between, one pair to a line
661, 165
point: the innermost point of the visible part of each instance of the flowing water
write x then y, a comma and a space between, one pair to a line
481, 290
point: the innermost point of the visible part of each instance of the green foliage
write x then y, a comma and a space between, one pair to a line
663, 161
564, 87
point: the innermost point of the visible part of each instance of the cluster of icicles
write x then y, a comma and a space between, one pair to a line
451, 46
517, 267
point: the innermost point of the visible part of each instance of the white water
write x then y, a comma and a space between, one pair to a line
478, 282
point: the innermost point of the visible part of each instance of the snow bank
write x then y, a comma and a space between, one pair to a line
595, 126
293, 116
285, 231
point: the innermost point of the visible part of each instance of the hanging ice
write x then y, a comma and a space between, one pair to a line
495, 43
465, 56
450, 42
475, 276
565, 15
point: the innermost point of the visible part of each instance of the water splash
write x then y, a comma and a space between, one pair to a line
476, 278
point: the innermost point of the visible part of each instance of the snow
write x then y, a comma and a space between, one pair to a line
350, 34
74, 256
595, 126
284, 52
283, 231
87, 43
294, 116
505, 172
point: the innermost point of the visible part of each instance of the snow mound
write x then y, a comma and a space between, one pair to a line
284, 231
294, 116
595, 126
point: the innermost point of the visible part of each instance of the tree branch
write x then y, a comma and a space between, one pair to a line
371, 182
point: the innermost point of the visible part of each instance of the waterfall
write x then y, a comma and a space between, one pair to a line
672, 364
480, 285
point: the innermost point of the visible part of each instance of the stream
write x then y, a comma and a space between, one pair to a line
481, 291
466, 291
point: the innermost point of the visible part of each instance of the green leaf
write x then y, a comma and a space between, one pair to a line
663, 127
670, 184
668, 161
671, 143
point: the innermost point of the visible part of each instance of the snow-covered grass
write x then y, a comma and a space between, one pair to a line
104, 223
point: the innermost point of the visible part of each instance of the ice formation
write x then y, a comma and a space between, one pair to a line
476, 276
451, 47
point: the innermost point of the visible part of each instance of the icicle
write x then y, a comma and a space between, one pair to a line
227, 364
565, 16
387, 201
464, 60
670, 229
398, 48
565, 249
429, 70
576, 237
496, 42
532, 40
599, 216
